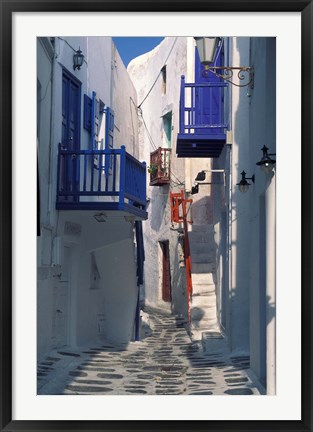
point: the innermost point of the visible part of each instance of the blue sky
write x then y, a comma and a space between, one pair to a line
131, 47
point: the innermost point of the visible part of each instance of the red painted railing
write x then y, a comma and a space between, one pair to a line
179, 215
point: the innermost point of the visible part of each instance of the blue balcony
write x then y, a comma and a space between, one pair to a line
109, 180
203, 119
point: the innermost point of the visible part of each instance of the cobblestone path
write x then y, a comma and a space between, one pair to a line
166, 362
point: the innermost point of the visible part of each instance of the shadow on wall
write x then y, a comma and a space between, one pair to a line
201, 211
250, 120
178, 280
159, 209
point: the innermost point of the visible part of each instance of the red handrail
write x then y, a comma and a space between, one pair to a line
177, 200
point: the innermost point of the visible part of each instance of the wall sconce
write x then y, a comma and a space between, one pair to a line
195, 189
202, 174
78, 59
243, 184
208, 51
100, 217
266, 163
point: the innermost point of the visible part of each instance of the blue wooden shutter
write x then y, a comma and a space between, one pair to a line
87, 112
109, 138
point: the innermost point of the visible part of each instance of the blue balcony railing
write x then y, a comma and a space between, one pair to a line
203, 118
101, 180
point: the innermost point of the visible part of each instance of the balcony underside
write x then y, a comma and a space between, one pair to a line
200, 146
160, 181
124, 208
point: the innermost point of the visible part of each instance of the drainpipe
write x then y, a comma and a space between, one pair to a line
137, 321
229, 240
51, 176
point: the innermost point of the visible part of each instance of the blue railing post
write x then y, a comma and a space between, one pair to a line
182, 105
93, 113
144, 185
59, 172
122, 176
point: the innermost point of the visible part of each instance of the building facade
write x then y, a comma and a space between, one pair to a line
92, 195
214, 130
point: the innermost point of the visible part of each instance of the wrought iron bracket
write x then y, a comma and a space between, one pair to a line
245, 74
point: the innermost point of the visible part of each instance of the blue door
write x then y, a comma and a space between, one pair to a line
71, 104
209, 104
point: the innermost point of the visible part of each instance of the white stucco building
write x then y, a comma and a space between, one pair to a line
197, 133
232, 237
92, 195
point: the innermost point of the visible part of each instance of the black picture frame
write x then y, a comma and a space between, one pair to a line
7, 8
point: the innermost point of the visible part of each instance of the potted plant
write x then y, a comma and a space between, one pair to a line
153, 168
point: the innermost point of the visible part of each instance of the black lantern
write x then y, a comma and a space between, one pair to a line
78, 59
243, 184
200, 176
195, 189
266, 163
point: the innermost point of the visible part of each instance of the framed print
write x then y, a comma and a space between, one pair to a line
156, 216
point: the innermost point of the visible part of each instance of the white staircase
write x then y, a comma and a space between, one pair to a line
203, 305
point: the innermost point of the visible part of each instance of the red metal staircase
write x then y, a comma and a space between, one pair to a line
179, 215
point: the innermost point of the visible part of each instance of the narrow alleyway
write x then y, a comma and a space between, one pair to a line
165, 362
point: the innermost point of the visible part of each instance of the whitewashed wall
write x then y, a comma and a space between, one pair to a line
144, 71
178, 56
93, 308
246, 272
44, 242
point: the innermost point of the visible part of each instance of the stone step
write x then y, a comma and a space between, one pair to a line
199, 248
204, 278
204, 257
205, 325
207, 308
207, 228
201, 237
202, 267
204, 289
203, 315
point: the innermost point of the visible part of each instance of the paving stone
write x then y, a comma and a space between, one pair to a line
146, 376
231, 375
110, 376
165, 363
88, 389
78, 374
89, 381
239, 391
71, 354
236, 380
138, 391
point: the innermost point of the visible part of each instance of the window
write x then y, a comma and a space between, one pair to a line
163, 73
167, 130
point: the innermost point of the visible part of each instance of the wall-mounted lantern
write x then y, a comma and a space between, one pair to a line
266, 163
244, 184
201, 176
101, 217
208, 50
78, 59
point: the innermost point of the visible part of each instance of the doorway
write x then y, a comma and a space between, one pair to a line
71, 107
166, 271
61, 303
